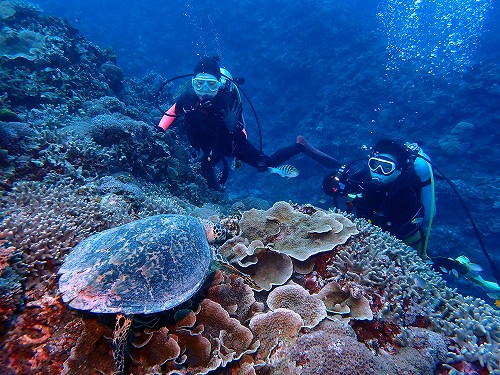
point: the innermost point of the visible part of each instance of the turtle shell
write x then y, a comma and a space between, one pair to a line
142, 267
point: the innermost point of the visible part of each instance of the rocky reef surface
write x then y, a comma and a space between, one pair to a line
324, 292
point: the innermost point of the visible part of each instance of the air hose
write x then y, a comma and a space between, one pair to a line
494, 267
164, 112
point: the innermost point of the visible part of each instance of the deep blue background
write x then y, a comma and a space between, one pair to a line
320, 69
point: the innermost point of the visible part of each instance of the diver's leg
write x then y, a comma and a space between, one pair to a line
248, 154
208, 172
318, 155
283, 154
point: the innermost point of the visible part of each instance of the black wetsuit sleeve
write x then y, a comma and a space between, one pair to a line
186, 103
356, 183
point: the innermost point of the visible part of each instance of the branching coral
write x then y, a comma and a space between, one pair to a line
391, 273
45, 222
411, 321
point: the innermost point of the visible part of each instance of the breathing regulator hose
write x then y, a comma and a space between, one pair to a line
494, 267
233, 81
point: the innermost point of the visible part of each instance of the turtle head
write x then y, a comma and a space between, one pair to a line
215, 231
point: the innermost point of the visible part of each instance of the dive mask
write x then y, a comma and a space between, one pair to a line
204, 84
381, 165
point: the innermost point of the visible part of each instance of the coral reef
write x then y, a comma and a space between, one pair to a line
45, 61
294, 297
25, 44
319, 323
69, 115
41, 224
294, 233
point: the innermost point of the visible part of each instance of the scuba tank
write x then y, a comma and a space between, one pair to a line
423, 169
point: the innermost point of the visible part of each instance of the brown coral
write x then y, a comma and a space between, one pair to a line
294, 233
273, 327
294, 297
339, 302
270, 269
235, 337
233, 295
91, 353
158, 348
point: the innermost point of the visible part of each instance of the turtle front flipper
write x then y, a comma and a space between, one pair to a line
120, 339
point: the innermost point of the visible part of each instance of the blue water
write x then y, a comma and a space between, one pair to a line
155, 35
299, 60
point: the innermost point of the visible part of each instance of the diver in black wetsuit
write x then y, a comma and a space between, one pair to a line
388, 194
212, 113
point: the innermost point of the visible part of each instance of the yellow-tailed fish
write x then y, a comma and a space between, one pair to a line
284, 170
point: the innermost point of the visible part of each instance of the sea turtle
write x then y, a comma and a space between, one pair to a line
143, 267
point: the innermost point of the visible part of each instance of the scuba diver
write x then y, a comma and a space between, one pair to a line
388, 194
396, 193
211, 110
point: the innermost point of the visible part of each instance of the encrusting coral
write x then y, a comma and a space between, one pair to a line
228, 329
274, 327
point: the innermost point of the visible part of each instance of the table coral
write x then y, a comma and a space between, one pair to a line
339, 302
418, 324
294, 233
25, 44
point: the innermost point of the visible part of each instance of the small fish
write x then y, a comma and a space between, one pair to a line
420, 282
417, 220
449, 265
284, 170
474, 268
497, 303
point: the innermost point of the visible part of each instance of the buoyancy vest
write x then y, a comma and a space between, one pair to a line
423, 170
